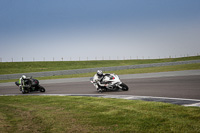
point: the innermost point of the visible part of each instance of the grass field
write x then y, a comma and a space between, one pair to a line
26, 67
88, 114
121, 72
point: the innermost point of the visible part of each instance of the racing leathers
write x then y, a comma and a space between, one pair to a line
22, 81
98, 80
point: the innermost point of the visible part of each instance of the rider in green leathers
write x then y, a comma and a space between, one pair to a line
21, 82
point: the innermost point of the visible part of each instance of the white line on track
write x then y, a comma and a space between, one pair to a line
179, 101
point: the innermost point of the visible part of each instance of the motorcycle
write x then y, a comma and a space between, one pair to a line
30, 85
111, 82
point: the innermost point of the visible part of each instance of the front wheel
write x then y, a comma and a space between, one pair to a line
124, 87
42, 89
25, 90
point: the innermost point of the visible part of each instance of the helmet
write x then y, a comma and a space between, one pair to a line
100, 73
23, 77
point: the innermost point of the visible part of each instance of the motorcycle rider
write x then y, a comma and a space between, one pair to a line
97, 79
22, 82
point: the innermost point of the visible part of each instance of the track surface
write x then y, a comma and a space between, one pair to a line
174, 87
184, 87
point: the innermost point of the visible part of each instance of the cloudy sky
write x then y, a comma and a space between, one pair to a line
98, 29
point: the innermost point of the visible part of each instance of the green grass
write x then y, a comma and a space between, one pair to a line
121, 72
88, 114
26, 67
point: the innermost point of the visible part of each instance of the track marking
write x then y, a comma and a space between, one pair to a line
195, 104
178, 101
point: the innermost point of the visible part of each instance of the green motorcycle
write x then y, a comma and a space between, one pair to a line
30, 85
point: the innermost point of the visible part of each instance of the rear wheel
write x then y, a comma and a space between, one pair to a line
124, 87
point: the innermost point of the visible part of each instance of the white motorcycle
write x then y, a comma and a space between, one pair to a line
110, 82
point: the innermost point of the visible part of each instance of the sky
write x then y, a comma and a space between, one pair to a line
47, 30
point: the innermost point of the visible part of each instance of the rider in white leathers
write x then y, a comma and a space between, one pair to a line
97, 79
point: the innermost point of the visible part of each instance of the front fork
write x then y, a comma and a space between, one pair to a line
119, 85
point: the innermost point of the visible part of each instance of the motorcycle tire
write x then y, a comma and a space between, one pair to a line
124, 87
42, 89
25, 91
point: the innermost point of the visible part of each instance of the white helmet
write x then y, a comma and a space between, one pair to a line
23, 77
99, 73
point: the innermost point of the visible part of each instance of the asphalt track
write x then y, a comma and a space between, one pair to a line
182, 88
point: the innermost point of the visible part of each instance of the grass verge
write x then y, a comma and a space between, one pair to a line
127, 71
26, 67
89, 114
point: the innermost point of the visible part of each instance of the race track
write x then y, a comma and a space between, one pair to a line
185, 87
